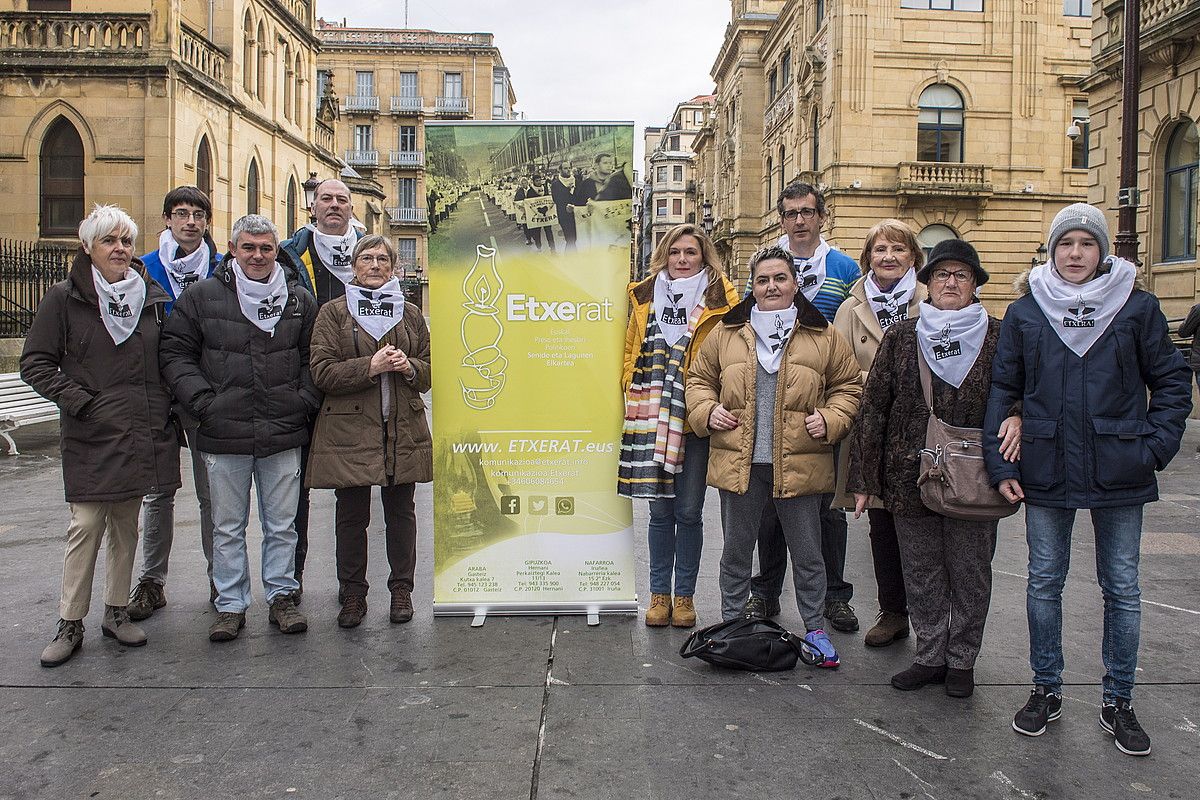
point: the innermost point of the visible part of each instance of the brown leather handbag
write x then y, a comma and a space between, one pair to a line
953, 478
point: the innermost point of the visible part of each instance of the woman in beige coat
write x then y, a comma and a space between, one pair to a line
887, 293
370, 356
774, 387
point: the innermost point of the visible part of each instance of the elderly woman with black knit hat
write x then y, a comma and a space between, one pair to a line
947, 562
1105, 395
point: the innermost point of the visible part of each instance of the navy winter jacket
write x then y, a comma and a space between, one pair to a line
1089, 437
156, 270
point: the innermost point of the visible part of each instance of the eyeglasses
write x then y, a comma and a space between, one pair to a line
183, 215
806, 213
943, 275
370, 258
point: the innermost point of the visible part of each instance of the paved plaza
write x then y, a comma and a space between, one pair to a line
535, 708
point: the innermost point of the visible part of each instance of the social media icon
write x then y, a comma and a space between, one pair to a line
510, 504
539, 504
564, 506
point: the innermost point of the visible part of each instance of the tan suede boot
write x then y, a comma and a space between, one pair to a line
658, 613
683, 615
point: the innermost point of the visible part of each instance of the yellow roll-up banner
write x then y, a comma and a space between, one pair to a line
527, 324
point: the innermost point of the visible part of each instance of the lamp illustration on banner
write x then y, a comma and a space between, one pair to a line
481, 332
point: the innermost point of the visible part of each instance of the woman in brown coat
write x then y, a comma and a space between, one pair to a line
887, 293
947, 562
93, 350
370, 356
774, 388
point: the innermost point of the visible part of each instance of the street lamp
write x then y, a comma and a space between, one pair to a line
1040, 258
310, 189
1131, 78
706, 217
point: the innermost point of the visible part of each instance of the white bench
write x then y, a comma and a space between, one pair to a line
20, 405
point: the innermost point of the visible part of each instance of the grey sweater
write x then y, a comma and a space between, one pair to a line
764, 415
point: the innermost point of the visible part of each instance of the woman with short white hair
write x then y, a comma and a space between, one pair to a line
93, 350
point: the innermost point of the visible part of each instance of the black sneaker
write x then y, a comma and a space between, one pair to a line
841, 616
1120, 721
760, 608
1043, 706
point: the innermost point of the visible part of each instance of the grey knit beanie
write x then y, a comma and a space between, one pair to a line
1080, 217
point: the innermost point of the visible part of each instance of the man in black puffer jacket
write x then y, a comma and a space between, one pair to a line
235, 354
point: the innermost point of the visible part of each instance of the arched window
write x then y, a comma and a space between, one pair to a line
248, 54
770, 186
782, 168
940, 124
291, 206
932, 234
1180, 193
61, 171
286, 72
301, 108
252, 188
204, 171
816, 138
261, 83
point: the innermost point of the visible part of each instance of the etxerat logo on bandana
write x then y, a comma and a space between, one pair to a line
779, 336
268, 308
674, 314
889, 311
808, 276
380, 306
1079, 314
945, 346
118, 309
185, 281
341, 254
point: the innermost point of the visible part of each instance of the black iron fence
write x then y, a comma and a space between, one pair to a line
27, 270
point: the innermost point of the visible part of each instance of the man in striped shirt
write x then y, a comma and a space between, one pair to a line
825, 275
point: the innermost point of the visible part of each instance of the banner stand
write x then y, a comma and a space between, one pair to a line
479, 611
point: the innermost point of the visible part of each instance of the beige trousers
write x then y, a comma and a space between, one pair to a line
89, 524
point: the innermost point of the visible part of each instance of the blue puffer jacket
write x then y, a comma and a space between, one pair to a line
156, 270
1089, 437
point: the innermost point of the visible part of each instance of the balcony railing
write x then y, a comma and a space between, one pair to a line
407, 105
353, 103
408, 216
453, 105
202, 55
324, 136
779, 109
939, 178
1156, 11
362, 158
64, 33
407, 158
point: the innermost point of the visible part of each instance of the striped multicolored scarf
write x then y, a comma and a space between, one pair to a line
652, 437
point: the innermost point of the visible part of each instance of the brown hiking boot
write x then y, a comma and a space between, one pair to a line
354, 608
226, 628
116, 625
65, 643
658, 613
284, 614
683, 614
402, 607
889, 627
146, 598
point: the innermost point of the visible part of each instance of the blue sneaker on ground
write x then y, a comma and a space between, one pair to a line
818, 642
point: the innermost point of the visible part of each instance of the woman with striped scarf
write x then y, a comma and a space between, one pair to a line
661, 459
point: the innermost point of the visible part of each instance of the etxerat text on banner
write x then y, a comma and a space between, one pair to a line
527, 331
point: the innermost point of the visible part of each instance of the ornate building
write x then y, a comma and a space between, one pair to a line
671, 170
1168, 224
120, 101
390, 81
950, 116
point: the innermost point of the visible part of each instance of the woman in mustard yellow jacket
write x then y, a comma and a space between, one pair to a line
661, 459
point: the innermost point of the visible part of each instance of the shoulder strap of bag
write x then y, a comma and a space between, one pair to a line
926, 378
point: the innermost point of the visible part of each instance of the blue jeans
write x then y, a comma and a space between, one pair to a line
1118, 533
676, 532
277, 479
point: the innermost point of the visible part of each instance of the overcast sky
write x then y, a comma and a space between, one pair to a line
578, 59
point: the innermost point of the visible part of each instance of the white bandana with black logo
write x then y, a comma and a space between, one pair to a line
376, 310
335, 251
185, 270
674, 301
951, 340
810, 272
1081, 313
891, 306
771, 332
262, 303
120, 303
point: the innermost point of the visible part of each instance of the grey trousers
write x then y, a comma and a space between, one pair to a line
800, 518
948, 581
158, 525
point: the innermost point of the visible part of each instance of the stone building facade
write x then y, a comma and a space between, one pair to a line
388, 83
951, 120
120, 101
670, 170
1168, 222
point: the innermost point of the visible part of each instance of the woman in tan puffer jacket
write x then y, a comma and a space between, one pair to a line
774, 387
